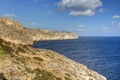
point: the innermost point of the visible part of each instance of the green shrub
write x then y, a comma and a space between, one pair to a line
2, 52
38, 58
43, 75
66, 78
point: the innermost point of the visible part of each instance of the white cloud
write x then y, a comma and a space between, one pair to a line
80, 26
30, 24
83, 30
113, 22
104, 29
10, 16
79, 7
102, 10
49, 12
84, 13
116, 16
116, 24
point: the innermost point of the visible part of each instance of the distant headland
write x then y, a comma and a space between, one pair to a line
14, 32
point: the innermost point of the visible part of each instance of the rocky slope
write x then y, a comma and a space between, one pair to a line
19, 61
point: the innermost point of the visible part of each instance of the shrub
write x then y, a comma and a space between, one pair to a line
43, 75
2, 52
66, 78
38, 58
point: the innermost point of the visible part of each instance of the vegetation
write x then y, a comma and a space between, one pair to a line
2, 52
22, 59
66, 78
38, 58
44, 75
20, 50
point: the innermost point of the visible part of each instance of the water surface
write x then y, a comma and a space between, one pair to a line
101, 54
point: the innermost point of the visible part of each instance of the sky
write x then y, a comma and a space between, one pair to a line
84, 17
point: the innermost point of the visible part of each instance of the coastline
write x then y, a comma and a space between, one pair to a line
23, 62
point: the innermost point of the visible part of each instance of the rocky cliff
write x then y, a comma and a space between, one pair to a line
19, 61
12, 31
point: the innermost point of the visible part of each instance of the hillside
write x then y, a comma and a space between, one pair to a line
20, 61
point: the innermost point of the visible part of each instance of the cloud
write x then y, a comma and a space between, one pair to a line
116, 24
82, 28
49, 12
79, 7
113, 22
102, 10
30, 24
104, 29
83, 13
116, 16
10, 16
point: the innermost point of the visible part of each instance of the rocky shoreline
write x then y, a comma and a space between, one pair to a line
20, 61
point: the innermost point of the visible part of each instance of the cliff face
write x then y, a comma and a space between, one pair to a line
12, 31
22, 62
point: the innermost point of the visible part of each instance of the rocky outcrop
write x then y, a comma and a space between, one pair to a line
14, 32
22, 62
28, 63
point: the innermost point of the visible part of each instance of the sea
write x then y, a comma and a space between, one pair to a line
101, 54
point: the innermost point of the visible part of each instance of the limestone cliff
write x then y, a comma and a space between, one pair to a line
12, 31
19, 61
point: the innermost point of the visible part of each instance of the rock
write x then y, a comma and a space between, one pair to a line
23, 62
2, 77
14, 32
41, 64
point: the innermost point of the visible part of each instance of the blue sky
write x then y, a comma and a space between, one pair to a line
84, 17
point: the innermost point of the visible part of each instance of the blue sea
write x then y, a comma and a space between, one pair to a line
101, 54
